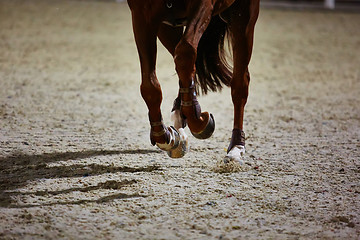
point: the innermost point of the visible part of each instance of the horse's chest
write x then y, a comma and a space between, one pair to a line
175, 13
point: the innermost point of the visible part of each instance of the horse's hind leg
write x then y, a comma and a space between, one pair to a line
145, 32
243, 18
201, 124
170, 37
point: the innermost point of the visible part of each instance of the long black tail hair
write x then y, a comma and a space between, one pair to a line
212, 68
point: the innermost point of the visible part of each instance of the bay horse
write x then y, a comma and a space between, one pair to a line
193, 31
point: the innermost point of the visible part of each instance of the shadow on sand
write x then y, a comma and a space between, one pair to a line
17, 170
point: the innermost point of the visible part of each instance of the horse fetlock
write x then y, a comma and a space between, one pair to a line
201, 124
237, 139
158, 132
173, 140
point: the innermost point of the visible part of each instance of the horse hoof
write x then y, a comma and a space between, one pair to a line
208, 130
182, 148
235, 154
178, 145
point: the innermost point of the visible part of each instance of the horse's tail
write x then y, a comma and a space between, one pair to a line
212, 69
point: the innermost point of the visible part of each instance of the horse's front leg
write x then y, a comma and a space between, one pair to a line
242, 24
145, 32
202, 125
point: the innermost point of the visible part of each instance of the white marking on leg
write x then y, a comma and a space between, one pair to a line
172, 140
177, 119
236, 153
